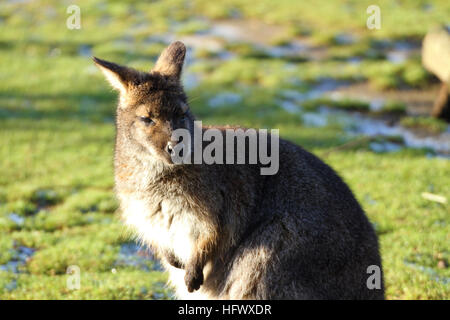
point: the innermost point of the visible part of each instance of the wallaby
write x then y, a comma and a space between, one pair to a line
224, 231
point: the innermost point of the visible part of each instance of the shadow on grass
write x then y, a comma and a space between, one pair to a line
75, 106
60, 111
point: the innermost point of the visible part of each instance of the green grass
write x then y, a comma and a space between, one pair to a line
343, 104
405, 19
57, 133
394, 107
191, 27
428, 124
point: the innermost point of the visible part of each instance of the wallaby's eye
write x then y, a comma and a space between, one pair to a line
147, 121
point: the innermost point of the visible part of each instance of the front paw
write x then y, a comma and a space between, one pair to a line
173, 261
193, 279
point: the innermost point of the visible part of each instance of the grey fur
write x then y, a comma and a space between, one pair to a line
230, 232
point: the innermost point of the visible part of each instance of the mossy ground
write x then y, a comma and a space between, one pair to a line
57, 132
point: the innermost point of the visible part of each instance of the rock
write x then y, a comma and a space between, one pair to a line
436, 59
436, 53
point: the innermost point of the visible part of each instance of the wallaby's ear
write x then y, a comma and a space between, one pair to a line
170, 62
118, 76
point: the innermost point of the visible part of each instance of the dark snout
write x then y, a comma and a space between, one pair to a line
169, 148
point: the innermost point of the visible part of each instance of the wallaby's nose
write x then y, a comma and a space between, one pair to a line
170, 146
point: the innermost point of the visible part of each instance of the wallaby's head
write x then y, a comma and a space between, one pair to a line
151, 104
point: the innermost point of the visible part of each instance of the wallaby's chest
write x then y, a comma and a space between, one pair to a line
164, 222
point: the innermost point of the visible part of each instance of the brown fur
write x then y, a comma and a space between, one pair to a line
230, 232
